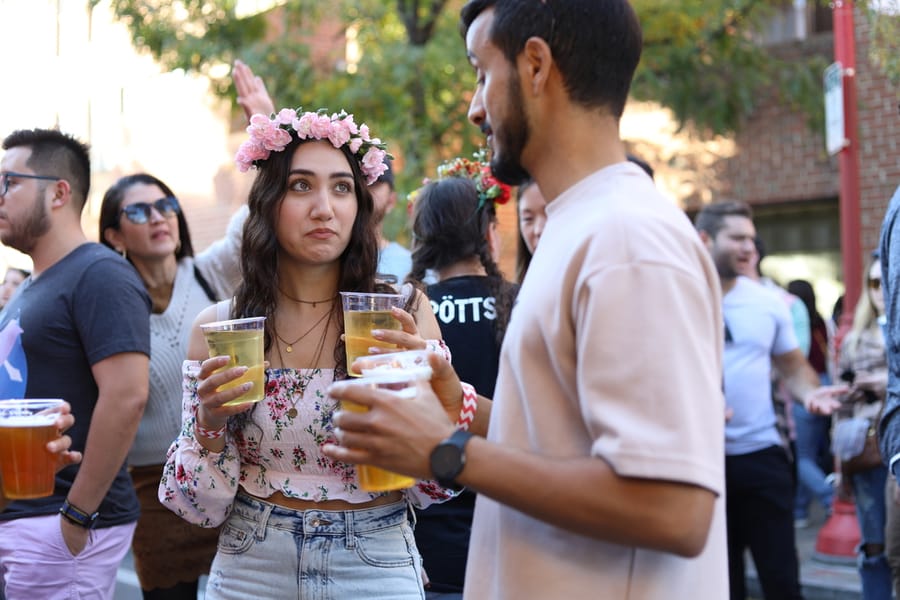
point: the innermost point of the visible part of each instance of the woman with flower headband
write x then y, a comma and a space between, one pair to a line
454, 230
292, 516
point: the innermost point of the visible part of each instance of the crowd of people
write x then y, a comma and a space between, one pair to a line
575, 438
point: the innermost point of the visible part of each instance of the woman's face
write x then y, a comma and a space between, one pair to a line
532, 216
316, 215
876, 293
12, 281
155, 238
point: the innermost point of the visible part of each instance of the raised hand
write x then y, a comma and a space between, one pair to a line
251, 91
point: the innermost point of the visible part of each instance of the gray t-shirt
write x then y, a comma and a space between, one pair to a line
87, 307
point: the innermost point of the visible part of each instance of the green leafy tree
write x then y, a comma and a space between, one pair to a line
412, 83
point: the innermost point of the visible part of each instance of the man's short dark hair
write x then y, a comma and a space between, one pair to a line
56, 154
596, 44
711, 217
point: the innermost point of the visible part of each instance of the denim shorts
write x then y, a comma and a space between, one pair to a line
268, 551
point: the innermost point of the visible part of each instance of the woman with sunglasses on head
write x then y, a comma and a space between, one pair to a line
293, 517
862, 363
141, 219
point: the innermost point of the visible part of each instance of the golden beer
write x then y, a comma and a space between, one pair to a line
243, 347
373, 479
27, 467
358, 326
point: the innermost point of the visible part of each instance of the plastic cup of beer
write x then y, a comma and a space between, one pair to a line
27, 467
241, 340
415, 361
402, 383
363, 313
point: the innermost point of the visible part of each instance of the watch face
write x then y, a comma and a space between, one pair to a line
446, 461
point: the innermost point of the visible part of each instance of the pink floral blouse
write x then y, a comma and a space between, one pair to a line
274, 447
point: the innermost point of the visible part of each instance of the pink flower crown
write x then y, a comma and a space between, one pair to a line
479, 171
273, 134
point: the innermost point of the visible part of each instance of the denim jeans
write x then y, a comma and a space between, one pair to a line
270, 552
812, 441
868, 494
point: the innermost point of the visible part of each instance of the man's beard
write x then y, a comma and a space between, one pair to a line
511, 137
725, 267
24, 236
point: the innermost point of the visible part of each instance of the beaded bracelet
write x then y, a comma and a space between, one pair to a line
469, 406
210, 434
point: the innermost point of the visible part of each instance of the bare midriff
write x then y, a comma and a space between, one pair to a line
297, 504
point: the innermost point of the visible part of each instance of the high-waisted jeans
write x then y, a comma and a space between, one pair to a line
270, 552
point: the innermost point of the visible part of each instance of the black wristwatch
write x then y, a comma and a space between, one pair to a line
448, 459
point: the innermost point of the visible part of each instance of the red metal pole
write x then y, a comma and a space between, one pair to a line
840, 533
848, 159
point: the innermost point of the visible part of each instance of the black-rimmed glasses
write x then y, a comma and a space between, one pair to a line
5, 176
139, 212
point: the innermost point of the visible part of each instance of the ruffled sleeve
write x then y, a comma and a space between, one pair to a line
427, 492
198, 485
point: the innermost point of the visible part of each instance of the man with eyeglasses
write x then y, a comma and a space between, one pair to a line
82, 325
759, 334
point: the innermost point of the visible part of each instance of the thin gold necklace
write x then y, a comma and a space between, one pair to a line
301, 301
289, 346
306, 379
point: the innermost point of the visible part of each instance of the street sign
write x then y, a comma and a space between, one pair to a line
835, 139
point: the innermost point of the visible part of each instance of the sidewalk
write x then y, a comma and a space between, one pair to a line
822, 577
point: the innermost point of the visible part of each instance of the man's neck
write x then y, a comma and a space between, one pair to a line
576, 151
55, 245
727, 284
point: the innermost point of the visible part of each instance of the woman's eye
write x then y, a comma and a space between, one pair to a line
299, 185
343, 187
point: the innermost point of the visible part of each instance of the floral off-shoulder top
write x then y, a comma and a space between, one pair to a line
274, 447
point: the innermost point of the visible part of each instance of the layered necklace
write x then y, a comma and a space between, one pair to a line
289, 346
312, 303
304, 380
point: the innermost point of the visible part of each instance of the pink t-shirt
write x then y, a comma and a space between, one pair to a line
614, 351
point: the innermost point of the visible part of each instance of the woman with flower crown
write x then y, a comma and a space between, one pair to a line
293, 517
454, 230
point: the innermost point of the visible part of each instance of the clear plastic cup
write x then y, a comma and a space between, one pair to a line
364, 312
402, 383
27, 467
415, 360
242, 341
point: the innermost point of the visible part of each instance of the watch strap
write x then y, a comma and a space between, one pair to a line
76, 516
458, 439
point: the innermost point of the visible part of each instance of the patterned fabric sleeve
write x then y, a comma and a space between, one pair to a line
427, 492
198, 485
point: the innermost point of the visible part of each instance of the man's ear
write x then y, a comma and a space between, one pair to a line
62, 193
537, 60
704, 237
392, 201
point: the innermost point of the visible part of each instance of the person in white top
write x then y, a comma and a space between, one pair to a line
601, 474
